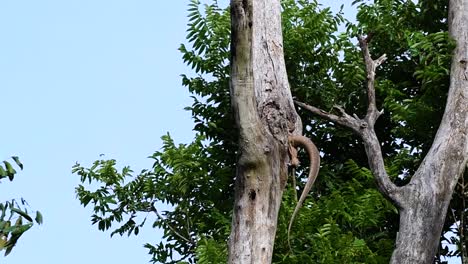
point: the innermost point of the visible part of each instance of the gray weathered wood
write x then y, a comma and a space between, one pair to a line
265, 115
428, 194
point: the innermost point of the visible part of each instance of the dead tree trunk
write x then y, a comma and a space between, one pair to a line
265, 115
431, 188
424, 201
422, 215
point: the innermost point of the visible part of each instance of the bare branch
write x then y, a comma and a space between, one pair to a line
380, 60
371, 66
343, 119
365, 127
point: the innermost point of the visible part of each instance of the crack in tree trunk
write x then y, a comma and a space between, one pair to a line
265, 116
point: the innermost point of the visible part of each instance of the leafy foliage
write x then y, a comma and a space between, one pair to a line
210, 251
412, 84
15, 219
7, 170
179, 177
346, 219
348, 225
197, 179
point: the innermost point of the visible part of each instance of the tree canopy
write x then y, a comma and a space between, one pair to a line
345, 219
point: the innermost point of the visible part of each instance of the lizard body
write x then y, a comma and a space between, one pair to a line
314, 158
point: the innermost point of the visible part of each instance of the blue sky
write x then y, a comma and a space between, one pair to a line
79, 78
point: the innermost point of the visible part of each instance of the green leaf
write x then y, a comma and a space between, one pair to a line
23, 214
18, 162
3, 172
38, 217
10, 171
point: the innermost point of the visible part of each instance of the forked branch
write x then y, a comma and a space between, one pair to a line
365, 127
371, 66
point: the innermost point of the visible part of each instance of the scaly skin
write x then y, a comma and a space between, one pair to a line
314, 158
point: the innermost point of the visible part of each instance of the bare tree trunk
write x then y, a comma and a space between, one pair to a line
461, 226
421, 223
431, 188
265, 115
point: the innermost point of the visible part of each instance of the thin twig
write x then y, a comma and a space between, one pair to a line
153, 209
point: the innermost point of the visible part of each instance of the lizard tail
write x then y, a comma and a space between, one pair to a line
314, 158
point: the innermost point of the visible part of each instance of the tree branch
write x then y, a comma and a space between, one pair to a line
188, 240
343, 119
365, 127
371, 66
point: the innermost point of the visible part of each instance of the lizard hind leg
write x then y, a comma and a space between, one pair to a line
294, 184
294, 162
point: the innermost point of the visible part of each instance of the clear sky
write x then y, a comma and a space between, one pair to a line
79, 78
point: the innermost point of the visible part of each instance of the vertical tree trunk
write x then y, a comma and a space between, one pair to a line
462, 224
421, 223
265, 115
428, 194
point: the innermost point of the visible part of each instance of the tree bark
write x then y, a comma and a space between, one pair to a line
265, 115
430, 190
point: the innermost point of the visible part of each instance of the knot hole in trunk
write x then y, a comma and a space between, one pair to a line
252, 194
